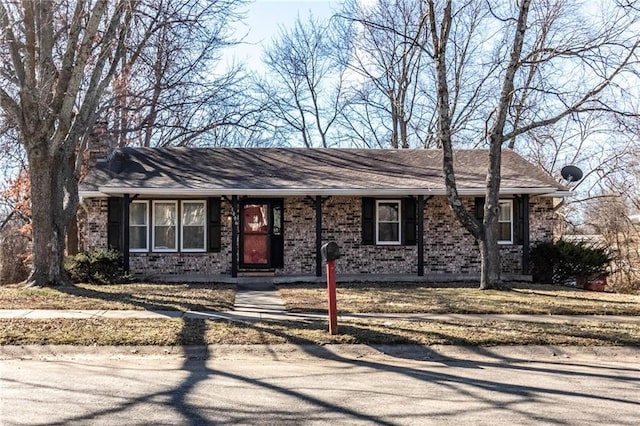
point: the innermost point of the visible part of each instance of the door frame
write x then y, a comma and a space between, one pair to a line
275, 249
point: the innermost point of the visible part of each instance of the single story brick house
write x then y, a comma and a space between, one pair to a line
246, 211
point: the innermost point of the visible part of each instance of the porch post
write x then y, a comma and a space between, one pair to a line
234, 236
420, 235
318, 236
526, 244
124, 243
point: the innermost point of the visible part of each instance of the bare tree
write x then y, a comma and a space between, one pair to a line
609, 218
58, 60
595, 55
169, 88
59, 63
386, 43
305, 85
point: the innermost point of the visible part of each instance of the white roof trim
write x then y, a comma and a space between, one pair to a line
105, 191
559, 194
90, 194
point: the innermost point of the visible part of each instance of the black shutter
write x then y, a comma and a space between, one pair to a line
518, 218
409, 222
368, 221
214, 225
277, 234
114, 224
479, 208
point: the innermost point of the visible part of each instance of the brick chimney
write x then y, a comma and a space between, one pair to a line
101, 143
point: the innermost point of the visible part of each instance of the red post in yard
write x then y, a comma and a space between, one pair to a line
331, 296
330, 252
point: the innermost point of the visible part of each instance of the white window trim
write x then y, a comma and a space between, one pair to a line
510, 203
153, 227
389, 243
204, 239
146, 249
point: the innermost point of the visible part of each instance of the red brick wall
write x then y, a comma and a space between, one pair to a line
449, 249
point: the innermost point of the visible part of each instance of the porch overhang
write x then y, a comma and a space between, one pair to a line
111, 191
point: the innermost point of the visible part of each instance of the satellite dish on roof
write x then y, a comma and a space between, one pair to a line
571, 173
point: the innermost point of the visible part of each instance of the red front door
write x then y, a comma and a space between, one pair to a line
255, 235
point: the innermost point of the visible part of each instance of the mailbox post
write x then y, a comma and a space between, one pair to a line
331, 252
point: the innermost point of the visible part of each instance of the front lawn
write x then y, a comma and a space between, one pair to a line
384, 298
180, 297
458, 299
178, 332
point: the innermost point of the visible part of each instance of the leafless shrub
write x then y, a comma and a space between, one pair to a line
14, 249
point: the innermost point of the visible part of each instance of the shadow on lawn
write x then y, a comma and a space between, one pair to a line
157, 297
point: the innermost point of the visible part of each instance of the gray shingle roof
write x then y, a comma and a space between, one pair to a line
302, 171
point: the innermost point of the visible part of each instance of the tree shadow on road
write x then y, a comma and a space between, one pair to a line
425, 367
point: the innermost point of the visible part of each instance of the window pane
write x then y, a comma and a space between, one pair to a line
388, 212
164, 214
192, 214
505, 212
137, 237
193, 237
388, 232
277, 221
138, 214
504, 231
165, 237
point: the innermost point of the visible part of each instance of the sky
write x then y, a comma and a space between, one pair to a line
263, 21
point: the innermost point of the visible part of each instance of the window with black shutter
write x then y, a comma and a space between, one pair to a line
389, 222
509, 220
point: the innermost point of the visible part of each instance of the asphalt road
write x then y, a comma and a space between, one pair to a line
319, 385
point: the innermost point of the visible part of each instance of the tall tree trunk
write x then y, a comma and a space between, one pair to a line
490, 259
404, 133
491, 267
49, 227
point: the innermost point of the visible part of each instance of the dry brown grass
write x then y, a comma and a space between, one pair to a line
459, 299
198, 332
398, 298
181, 297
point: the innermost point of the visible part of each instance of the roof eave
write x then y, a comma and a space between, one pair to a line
267, 192
559, 193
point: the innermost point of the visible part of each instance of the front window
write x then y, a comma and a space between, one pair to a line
165, 236
193, 225
139, 226
388, 222
505, 222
